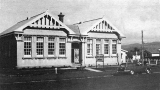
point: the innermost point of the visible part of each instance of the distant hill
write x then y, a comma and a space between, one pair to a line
151, 47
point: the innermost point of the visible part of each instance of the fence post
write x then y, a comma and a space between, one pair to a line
55, 70
156, 62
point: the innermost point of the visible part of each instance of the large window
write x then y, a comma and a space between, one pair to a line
51, 46
114, 47
27, 46
106, 46
98, 46
62, 46
89, 46
40, 46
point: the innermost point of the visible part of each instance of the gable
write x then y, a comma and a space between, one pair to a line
42, 20
103, 25
47, 21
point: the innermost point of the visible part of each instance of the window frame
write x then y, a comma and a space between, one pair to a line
98, 43
39, 46
114, 43
27, 41
106, 42
52, 42
90, 43
62, 42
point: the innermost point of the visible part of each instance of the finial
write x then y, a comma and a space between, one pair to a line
47, 10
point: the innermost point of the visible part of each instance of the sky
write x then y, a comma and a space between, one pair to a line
129, 16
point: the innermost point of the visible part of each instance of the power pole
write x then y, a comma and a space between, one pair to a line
142, 49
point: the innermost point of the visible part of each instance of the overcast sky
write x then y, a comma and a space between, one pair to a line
129, 16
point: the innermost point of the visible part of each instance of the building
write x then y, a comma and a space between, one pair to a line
123, 55
151, 54
45, 41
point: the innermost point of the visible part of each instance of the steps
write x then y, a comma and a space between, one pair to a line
94, 70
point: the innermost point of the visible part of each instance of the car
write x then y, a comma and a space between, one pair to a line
133, 68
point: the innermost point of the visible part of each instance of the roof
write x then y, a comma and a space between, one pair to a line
24, 23
83, 26
152, 50
86, 26
19, 24
79, 28
74, 28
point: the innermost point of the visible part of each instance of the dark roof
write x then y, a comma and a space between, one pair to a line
152, 50
74, 28
83, 26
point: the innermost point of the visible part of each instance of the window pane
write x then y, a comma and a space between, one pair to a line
27, 45
40, 39
114, 49
89, 46
62, 46
114, 41
97, 48
51, 45
106, 49
51, 39
98, 40
50, 48
62, 39
39, 46
106, 41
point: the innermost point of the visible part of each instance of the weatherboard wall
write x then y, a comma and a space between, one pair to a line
45, 60
109, 59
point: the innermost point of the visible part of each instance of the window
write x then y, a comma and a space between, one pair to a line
51, 45
39, 45
89, 46
62, 46
98, 44
114, 47
106, 46
27, 46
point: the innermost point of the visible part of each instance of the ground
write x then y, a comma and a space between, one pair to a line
44, 79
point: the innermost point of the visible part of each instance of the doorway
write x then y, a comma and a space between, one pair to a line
76, 53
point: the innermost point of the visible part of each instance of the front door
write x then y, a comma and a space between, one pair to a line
76, 53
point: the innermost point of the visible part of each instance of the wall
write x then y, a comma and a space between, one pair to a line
8, 51
45, 61
110, 59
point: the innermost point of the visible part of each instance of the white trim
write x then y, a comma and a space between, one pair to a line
38, 17
115, 29
27, 55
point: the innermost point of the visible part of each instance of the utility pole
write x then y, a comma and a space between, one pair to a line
142, 49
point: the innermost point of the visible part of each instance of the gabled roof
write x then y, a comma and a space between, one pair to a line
152, 50
74, 28
22, 24
86, 26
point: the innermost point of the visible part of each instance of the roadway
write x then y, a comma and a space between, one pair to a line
105, 82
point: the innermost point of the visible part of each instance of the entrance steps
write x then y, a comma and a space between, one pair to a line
76, 65
94, 70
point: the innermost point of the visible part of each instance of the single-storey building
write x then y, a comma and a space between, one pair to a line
45, 41
152, 55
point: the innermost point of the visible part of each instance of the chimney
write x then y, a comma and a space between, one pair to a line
61, 16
